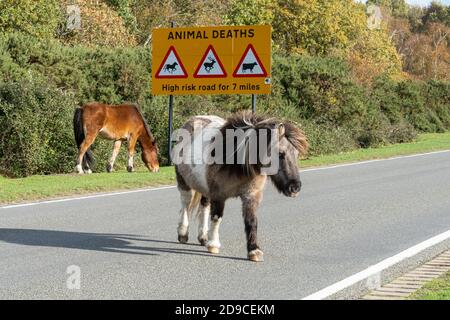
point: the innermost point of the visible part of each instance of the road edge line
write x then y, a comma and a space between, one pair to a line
373, 274
97, 195
374, 160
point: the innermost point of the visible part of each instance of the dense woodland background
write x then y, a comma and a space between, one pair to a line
348, 86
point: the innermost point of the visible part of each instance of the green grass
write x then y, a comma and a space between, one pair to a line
437, 289
425, 143
53, 186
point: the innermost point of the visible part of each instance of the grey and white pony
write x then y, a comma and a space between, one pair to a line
208, 184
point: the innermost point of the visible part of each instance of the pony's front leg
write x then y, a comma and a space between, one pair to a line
250, 204
213, 243
203, 219
131, 149
116, 148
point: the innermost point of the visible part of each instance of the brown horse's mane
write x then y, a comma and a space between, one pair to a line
247, 120
147, 128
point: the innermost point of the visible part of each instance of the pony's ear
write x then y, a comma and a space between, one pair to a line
281, 130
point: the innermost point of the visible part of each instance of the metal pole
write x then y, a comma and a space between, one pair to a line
169, 148
253, 103
169, 138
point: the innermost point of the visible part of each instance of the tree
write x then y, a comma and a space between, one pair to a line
39, 18
439, 35
317, 26
396, 8
101, 25
247, 12
436, 13
160, 13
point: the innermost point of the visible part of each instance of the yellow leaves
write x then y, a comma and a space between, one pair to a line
100, 26
317, 26
374, 54
35, 17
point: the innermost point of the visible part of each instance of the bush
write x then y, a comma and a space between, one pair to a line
35, 17
36, 135
42, 81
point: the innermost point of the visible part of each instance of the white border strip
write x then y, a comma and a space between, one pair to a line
170, 187
85, 197
375, 269
375, 160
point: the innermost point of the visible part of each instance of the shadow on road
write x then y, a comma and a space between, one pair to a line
117, 243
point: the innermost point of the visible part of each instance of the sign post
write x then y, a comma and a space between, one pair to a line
253, 103
211, 60
169, 138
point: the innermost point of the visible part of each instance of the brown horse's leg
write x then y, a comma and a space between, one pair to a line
250, 204
131, 148
116, 148
213, 243
88, 141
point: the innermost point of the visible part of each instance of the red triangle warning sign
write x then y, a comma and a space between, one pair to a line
250, 65
171, 67
210, 65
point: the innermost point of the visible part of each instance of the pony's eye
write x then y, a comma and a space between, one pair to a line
282, 155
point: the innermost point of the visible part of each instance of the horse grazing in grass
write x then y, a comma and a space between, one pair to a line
119, 123
208, 184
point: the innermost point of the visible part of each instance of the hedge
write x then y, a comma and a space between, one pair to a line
42, 81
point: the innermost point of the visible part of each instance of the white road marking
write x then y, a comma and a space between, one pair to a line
375, 160
85, 197
374, 270
170, 187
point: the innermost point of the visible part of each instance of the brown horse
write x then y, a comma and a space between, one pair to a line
119, 123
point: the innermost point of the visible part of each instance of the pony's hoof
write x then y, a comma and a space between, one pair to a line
256, 255
130, 169
79, 170
213, 250
202, 240
109, 168
213, 246
183, 239
89, 171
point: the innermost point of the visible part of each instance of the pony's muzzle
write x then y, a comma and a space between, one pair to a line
294, 188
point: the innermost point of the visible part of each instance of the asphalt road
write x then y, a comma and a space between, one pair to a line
346, 219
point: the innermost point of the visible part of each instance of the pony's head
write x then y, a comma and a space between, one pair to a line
150, 156
148, 145
284, 152
292, 144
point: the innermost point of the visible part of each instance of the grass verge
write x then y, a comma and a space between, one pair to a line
52, 186
437, 289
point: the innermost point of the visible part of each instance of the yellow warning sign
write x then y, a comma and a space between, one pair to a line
211, 60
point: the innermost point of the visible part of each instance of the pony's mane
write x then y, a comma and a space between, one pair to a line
247, 120
147, 128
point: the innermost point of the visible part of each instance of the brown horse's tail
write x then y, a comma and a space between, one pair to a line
88, 159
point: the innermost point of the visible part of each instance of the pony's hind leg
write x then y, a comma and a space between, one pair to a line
183, 225
84, 147
213, 243
203, 219
116, 148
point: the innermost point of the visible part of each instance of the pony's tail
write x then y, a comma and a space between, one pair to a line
195, 203
78, 129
